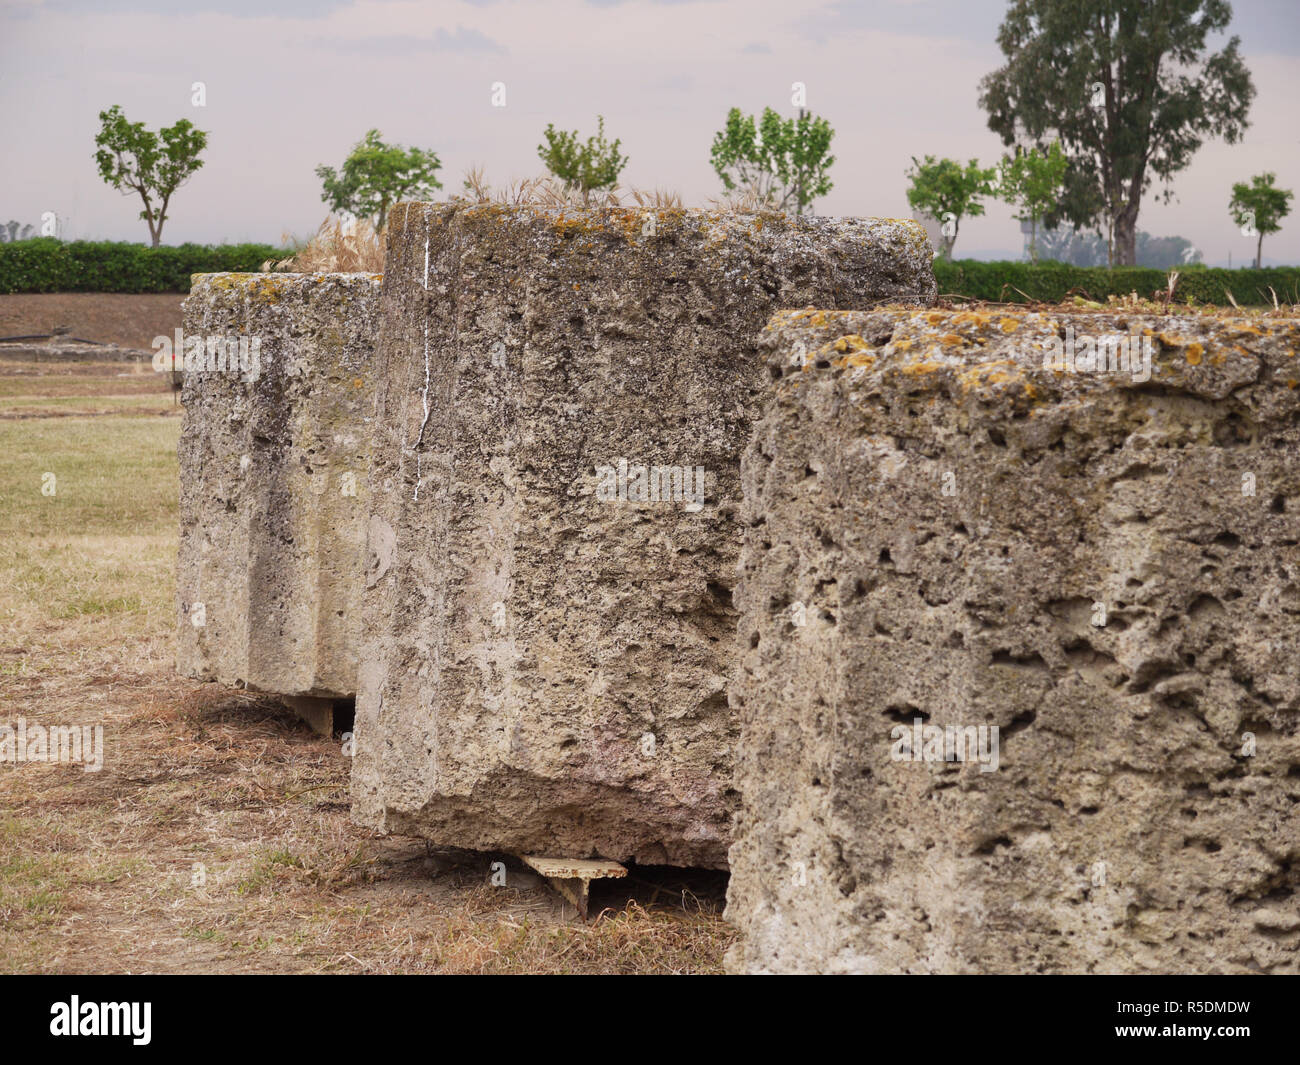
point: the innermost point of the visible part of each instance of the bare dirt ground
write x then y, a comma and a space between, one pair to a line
216, 836
130, 320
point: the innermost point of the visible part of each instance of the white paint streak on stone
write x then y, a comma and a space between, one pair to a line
425, 397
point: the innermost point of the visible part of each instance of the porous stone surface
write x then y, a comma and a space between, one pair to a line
544, 672
273, 459
938, 529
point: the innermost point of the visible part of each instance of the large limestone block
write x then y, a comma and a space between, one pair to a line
940, 533
273, 460
544, 670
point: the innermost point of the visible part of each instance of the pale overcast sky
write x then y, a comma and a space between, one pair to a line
294, 83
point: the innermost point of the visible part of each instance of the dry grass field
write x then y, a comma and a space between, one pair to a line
216, 836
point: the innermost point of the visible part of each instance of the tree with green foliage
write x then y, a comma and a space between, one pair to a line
1128, 88
1167, 253
1259, 208
376, 175
1031, 181
582, 167
947, 192
782, 163
1066, 244
137, 161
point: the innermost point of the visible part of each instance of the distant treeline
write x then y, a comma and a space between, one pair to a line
48, 265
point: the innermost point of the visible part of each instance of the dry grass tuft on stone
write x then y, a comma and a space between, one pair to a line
336, 248
547, 191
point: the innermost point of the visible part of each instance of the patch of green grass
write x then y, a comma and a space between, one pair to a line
33, 883
91, 577
88, 476
266, 870
111, 870
44, 902
120, 604
36, 878
101, 543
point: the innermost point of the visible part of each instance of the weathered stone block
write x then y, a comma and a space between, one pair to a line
941, 531
544, 668
273, 456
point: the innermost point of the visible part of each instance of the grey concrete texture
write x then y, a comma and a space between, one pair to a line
940, 533
274, 451
544, 670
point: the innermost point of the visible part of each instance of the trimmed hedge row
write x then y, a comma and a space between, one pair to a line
45, 264
1050, 282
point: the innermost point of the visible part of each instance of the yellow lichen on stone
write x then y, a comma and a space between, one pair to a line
1009, 325
856, 359
266, 288
1194, 352
567, 225
986, 374
1175, 341
851, 343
